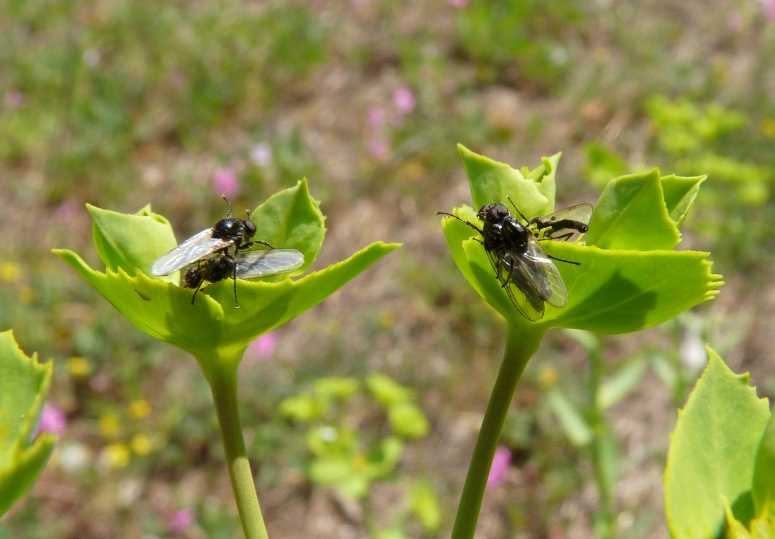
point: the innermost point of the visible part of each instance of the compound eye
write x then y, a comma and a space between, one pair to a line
250, 228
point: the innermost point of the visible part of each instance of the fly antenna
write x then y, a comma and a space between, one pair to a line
460, 219
228, 215
515, 207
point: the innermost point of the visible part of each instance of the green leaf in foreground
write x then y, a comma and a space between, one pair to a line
764, 473
23, 387
712, 452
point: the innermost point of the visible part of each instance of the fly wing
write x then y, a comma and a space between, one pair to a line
539, 269
253, 264
194, 248
518, 283
579, 212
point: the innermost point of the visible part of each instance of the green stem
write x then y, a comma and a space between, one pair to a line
522, 341
223, 383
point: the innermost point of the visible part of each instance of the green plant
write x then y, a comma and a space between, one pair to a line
721, 464
23, 389
213, 330
628, 276
351, 459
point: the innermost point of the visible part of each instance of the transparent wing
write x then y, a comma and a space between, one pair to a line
579, 212
253, 264
194, 248
539, 268
518, 284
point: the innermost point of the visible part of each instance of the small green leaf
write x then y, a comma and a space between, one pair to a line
303, 407
621, 383
335, 387
291, 219
387, 391
425, 505
493, 182
132, 242
408, 421
23, 388
712, 452
680, 194
327, 440
631, 214
763, 491
383, 459
573, 424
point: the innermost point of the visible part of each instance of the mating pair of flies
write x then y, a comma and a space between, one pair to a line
525, 271
220, 252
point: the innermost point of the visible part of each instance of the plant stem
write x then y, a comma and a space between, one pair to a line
522, 341
223, 383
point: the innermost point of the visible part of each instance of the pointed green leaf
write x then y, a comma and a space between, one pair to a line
621, 383
132, 241
23, 388
212, 325
712, 452
493, 182
408, 421
763, 491
631, 214
680, 194
425, 505
291, 219
387, 391
573, 424
609, 292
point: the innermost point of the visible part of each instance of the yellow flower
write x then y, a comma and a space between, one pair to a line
10, 272
27, 295
767, 127
387, 319
115, 456
139, 409
78, 367
141, 444
110, 426
547, 377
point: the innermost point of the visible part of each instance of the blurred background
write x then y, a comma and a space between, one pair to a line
120, 103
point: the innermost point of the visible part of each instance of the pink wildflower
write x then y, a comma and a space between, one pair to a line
404, 100
458, 3
769, 8
376, 117
379, 148
180, 520
265, 345
13, 100
52, 420
499, 467
225, 182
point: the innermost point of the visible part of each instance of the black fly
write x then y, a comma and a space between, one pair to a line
226, 233
243, 265
576, 218
525, 271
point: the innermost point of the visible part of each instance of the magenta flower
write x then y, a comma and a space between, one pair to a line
769, 8
264, 346
52, 420
379, 148
458, 3
13, 100
226, 182
404, 100
376, 117
180, 520
500, 465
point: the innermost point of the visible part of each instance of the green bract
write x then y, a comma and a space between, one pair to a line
628, 277
721, 464
23, 387
213, 329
